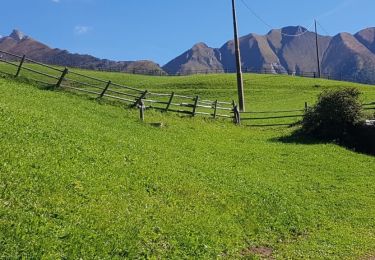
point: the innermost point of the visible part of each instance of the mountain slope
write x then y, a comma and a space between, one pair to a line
297, 53
18, 43
256, 54
198, 59
347, 57
367, 38
278, 51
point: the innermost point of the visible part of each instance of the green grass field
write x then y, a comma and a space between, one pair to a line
85, 179
263, 92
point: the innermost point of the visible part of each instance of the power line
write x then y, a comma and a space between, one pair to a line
256, 15
321, 27
272, 27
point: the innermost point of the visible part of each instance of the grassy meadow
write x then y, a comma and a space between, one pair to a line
86, 179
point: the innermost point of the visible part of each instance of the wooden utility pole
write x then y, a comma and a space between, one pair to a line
20, 66
241, 95
317, 50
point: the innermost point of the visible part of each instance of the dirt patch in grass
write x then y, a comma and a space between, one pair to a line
261, 251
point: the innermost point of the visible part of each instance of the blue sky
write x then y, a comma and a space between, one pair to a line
160, 30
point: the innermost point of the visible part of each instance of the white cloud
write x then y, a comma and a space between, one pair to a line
81, 29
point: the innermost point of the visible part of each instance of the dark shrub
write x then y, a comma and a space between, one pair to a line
335, 114
362, 138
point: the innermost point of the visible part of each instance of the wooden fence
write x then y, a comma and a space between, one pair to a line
271, 115
298, 113
143, 99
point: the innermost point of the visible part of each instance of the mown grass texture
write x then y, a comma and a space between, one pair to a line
86, 179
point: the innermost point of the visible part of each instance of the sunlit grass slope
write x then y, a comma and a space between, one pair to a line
86, 179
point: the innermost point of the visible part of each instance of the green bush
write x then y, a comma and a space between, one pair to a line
334, 115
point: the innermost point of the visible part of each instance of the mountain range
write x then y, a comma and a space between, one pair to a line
18, 43
289, 49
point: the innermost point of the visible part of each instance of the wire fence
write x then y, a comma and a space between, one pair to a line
357, 78
366, 77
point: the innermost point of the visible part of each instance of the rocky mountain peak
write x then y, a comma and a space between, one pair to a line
17, 35
200, 45
347, 40
367, 38
293, 30
367, 34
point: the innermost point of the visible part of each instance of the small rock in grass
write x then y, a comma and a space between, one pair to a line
158, 125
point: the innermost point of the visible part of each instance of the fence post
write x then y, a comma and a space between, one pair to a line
105, 89
215, 109
195, 105
141, 106
237, 117
137, 102
58, 84
20, 66
169, 102
306, 107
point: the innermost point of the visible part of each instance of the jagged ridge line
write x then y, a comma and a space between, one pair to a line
272, 27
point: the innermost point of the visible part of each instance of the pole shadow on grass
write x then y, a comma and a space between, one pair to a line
287, 125
267, 125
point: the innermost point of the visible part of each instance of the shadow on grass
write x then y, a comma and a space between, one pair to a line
39, 84
297, 137
290, 125
267, 125
46, 87
353, 143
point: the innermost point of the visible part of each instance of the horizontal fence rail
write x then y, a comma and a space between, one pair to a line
369, 106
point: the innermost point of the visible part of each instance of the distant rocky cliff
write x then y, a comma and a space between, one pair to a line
19, 43
288, 49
